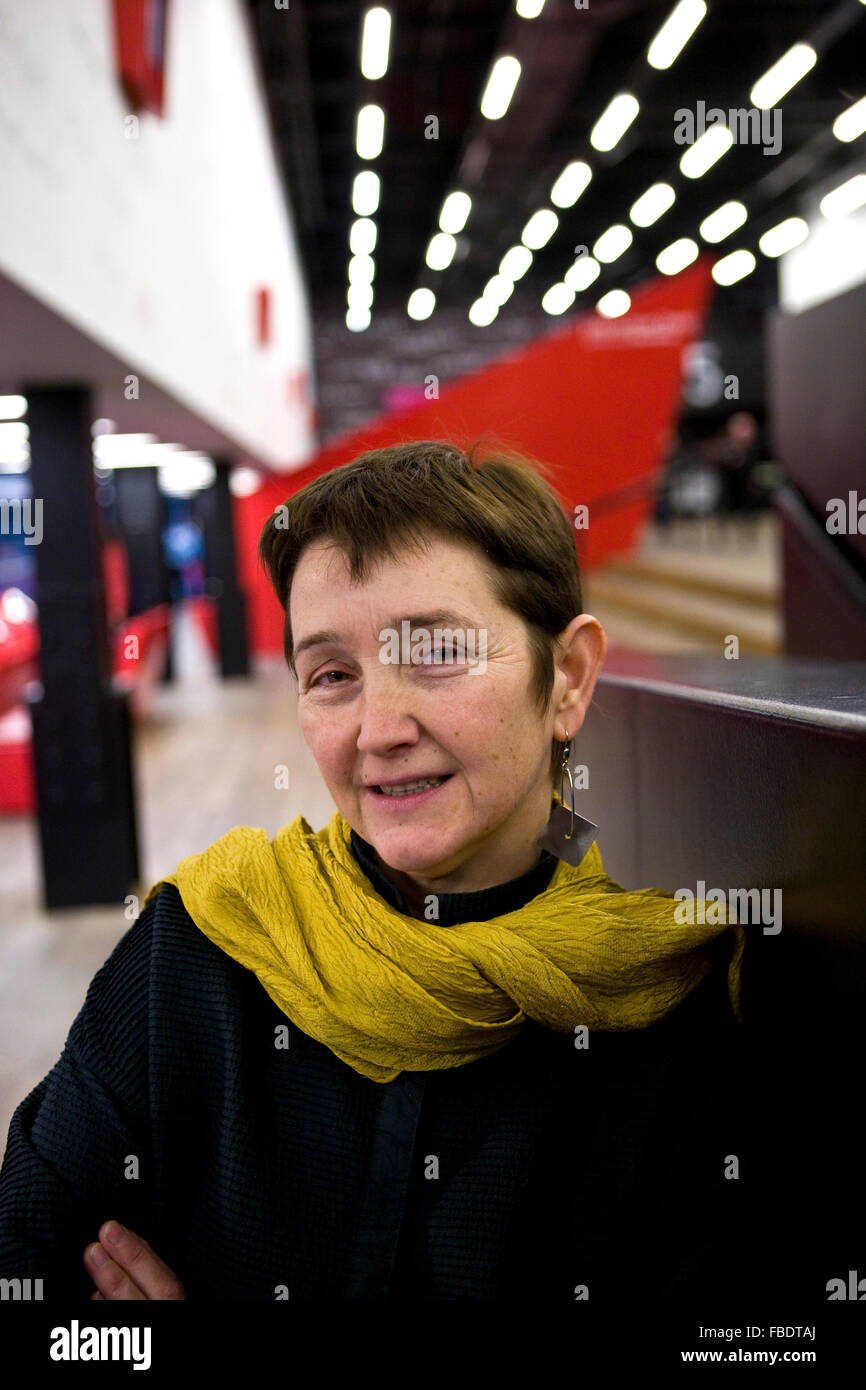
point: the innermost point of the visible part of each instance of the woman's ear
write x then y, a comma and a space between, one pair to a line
582, 648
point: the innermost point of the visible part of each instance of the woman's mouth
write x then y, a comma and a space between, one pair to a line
408, 792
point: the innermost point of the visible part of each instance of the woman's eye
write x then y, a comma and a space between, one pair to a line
444, 656
322, 676
441, 656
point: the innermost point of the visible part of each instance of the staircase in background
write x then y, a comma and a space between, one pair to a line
692, 584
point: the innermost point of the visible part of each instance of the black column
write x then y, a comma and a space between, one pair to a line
213, 509
140, 510
81, 728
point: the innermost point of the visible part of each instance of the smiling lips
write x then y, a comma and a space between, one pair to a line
409, 787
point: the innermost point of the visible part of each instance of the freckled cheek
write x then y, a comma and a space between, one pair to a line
498, 732
474, 730
326, 739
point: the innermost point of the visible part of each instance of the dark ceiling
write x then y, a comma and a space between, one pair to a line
573, 62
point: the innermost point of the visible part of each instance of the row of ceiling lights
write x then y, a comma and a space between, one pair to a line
605, 134
696, 161
610, 127
495, 101
366, 189
718, 225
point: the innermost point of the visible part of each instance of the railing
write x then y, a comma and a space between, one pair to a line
750, 774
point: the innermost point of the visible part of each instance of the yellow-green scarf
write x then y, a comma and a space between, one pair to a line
387, 992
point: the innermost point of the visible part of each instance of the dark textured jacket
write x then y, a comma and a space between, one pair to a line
266, 1172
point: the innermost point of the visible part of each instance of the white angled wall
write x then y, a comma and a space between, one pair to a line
155, 246
830, 261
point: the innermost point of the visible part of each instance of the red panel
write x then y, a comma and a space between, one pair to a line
19, 664
263, 315
140, 33
17, 778
597, 400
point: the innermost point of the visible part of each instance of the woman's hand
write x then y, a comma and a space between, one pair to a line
123, 1266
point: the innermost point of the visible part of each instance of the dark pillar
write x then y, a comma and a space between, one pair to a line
140, 511
140, 514
213, 509
81, 727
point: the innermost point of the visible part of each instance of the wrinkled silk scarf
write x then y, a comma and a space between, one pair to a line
387, 992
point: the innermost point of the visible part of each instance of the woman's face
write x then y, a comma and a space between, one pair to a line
372, 723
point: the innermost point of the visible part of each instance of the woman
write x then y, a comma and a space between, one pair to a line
431, 1051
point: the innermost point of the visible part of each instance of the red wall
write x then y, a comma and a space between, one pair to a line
597, 400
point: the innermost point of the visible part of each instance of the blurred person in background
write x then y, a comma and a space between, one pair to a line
734, 451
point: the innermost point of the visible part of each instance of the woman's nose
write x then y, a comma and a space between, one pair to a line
386, 717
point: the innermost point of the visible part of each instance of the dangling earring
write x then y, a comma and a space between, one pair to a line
573, 843
565, 771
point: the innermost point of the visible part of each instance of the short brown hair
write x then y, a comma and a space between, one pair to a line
495, 500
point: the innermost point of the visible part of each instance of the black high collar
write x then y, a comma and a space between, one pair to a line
454, 908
